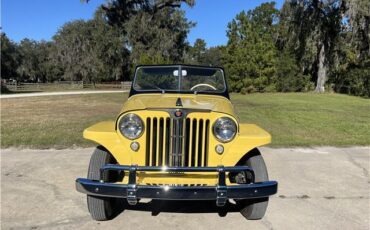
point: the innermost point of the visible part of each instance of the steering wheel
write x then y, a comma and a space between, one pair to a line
203, 84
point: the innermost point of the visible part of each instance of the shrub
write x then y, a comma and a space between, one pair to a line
355, 81
289, 76
270, 88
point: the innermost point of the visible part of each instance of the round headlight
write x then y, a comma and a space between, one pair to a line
224, 129
131, 126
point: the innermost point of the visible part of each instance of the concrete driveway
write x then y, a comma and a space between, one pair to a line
319, 188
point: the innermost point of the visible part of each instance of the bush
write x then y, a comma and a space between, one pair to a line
270, 88
310, 86
251, 89
289, 76
260, 83
355, 81
4, 90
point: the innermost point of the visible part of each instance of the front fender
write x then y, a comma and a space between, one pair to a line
104, 133
250, 136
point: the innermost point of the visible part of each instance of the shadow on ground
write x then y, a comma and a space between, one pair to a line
158, 206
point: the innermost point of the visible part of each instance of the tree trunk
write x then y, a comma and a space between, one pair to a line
321, 73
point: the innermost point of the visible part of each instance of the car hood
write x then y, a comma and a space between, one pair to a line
189, 101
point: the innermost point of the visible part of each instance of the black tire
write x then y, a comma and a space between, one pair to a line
101, 208
255, 209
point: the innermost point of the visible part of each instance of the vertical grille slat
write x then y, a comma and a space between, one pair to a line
177, 142
147, 150
168, 141
154, 142
197, 144
191, 143
187, 135
194, 146
183, 133
206, 138
160, 141
200, 143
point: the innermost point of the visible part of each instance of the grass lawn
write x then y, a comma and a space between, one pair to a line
308, 119
293, 119
54, 87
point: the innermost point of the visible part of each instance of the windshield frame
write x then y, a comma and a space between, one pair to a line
223, 93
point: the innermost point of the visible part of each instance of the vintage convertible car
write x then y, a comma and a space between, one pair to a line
177, 137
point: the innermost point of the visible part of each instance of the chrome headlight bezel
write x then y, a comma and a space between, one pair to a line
230, 125
135, 122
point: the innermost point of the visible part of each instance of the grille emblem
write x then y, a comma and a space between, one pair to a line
178, 113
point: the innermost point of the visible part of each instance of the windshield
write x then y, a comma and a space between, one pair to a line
180, 79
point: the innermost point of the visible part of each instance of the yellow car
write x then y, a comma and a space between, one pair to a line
177, 137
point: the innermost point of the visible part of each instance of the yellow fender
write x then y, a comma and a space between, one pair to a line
249, 137
104, 133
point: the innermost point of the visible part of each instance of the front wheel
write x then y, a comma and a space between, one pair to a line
101, 208
255, 209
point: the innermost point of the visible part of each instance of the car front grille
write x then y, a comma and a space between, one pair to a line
177, 142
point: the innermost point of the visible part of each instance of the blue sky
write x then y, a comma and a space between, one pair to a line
40, 19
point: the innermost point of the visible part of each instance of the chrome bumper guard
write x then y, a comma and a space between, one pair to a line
220, 192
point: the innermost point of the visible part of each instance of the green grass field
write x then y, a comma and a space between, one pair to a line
293, 119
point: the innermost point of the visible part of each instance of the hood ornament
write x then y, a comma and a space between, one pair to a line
178, 102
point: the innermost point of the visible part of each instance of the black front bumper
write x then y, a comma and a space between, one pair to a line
220, 192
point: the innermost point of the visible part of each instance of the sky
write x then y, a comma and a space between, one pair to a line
41, 19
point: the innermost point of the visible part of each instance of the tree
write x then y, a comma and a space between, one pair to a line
28, 68
357, 19
314, 27
163, 34
327, 37
74, 51
48, 70
121, 11
197, 51
213, 56
111, 47
91, 50
199, 54
9, 57
289, 77
250, 55
350, 74
153, 27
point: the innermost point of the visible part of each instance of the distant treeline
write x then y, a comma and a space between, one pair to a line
307, 45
